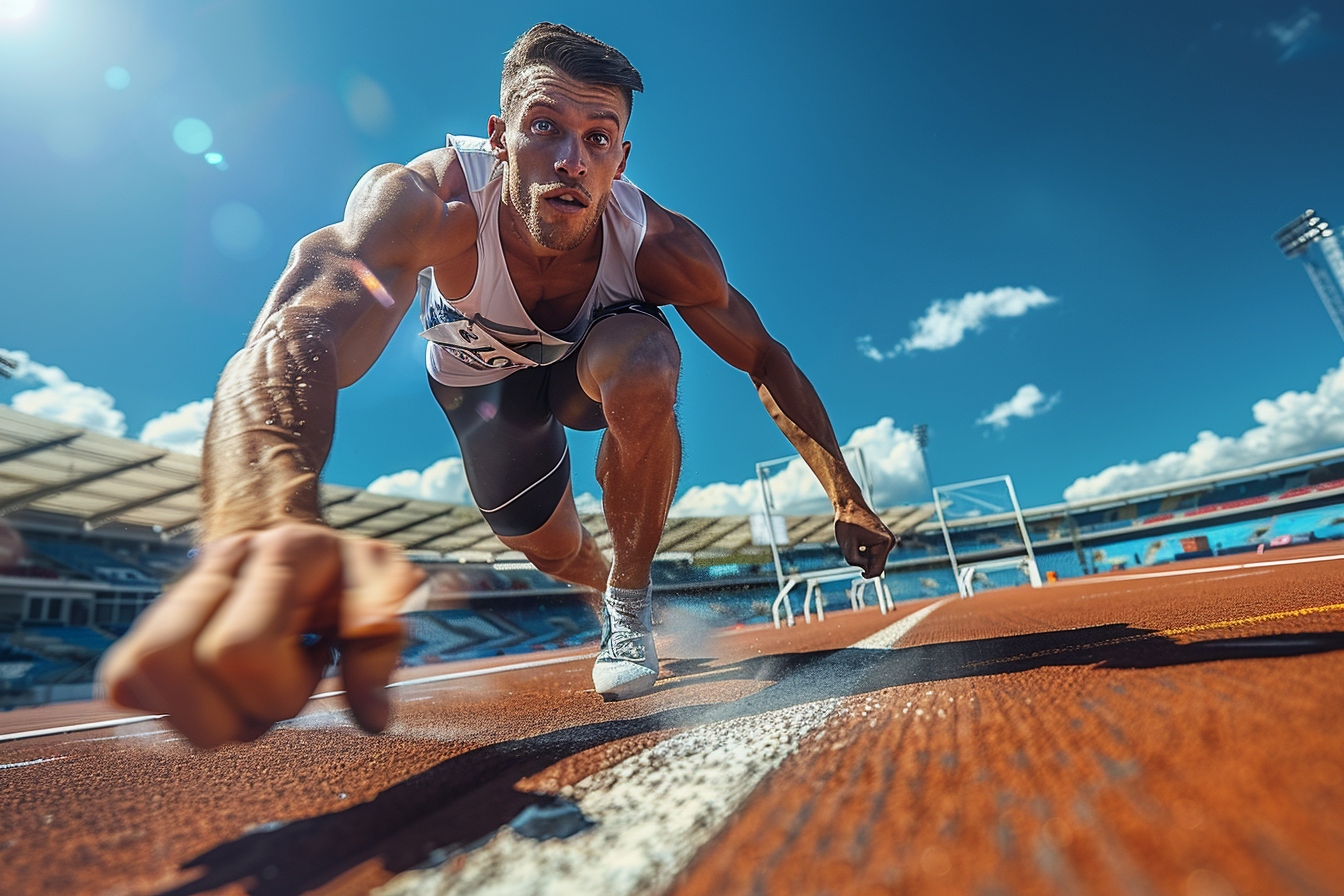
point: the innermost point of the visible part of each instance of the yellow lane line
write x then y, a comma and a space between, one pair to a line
1248, 620
1165, 633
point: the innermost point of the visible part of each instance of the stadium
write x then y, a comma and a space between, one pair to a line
1091, 663
95, 528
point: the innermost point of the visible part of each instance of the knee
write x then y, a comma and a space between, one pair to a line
551, 553
644, 385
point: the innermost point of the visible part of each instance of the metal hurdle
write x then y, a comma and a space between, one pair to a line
818, 577
1010, 515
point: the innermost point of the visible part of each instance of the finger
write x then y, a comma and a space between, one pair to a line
877, 560
870, 553
378, 579
378, 582
153, 667
253, 647
366, 667
869, 560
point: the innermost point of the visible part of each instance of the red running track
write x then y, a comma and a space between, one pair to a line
1132, 733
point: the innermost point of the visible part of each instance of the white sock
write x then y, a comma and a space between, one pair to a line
629, 607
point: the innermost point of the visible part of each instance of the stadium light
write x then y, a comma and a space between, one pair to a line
921, 433
1310, 238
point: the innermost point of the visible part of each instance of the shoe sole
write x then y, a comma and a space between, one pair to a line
635, 686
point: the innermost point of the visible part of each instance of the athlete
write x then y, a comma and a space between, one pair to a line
541, 274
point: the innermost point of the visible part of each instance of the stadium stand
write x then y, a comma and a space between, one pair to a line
93, 528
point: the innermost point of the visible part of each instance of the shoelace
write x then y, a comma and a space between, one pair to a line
626, 646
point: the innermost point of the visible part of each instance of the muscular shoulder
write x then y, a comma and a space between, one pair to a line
423, 206
678, 264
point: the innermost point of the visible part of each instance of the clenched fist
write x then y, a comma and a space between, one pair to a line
224, 652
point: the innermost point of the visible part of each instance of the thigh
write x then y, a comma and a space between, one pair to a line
513, 449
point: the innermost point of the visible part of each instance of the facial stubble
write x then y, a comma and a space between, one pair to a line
527, 202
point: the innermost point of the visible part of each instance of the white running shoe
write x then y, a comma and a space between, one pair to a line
627, 662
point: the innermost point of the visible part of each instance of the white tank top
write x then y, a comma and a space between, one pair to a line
487, 334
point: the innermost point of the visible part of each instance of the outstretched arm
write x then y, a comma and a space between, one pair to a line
228, 650
335, 307
736, 334
681, 267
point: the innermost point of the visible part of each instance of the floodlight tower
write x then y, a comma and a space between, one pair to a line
921, 433
1310, 238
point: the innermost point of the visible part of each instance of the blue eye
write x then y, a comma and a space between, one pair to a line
542, 125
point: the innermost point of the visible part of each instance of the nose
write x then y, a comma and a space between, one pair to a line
569, 162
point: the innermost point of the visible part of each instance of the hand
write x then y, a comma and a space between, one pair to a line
223, 653
864, 539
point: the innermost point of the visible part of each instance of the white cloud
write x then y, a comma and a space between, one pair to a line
588, 503
59, 398
180, 430
1026, 403
868, 350
719, 499
1294, 423
893, 462
947, 321
1298, 34
444, 480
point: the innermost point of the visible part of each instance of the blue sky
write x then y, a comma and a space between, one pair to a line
1108, 177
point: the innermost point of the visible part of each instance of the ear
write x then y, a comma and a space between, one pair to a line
496, 131
625, 158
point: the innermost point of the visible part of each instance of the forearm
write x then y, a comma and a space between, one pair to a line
797, 410
270, 430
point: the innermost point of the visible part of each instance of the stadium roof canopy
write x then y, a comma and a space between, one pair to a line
100, 480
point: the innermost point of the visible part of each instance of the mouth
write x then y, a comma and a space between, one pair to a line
566, 200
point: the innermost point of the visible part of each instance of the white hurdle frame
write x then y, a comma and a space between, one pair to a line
965, 575
818, 577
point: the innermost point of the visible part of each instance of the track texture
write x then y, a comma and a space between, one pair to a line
1115, 735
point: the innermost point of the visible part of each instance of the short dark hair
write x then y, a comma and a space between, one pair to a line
580, 56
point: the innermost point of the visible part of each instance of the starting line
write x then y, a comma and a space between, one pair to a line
428, 679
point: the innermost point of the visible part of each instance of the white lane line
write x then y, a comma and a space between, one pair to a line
32, 762
84, 726
473, 673
1197, 571
448, 676
654, 810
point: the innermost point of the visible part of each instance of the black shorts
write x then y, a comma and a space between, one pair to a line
512, 435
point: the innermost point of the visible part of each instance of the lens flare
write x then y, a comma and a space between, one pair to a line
117, 78
370, 281
238, 230
193, 136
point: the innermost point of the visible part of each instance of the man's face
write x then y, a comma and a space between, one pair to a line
562, 140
